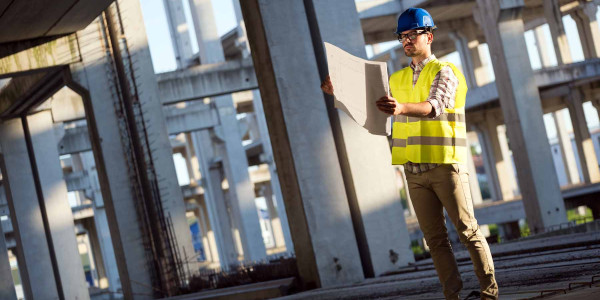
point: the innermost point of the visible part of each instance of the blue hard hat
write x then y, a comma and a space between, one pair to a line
414, 18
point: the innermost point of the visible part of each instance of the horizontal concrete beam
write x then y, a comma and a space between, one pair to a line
207, 81
190, 118
544, 78
75, 140
77, 181
61, 51
498, 212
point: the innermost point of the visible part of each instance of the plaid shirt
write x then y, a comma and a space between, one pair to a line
441, 95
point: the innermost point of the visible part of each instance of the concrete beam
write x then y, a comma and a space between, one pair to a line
77, 181
206, 81
62, 51
191, 118
545, 78
75, 140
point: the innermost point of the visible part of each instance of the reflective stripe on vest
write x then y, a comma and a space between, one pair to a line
428, 140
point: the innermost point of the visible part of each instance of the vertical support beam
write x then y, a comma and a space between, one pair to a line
521, 106
179, 30
33, 253
557, 30
104, 123
304, 146
411, 208
365, 159
509, 231
58, 212
489, 160
209, 42
473, 181
461, 43
7, 288
241, 189
587, 26
214, 200
540, 40
583, 139
507, 180
268, 154
568, 157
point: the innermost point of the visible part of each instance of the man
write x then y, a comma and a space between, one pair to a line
429, 139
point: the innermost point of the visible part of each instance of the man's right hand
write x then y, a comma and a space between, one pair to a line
326, 86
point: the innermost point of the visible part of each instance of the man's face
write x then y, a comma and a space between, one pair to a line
418, 45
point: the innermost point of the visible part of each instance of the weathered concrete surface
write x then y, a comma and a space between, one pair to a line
61, 51
35, 263
206, 81
303, 145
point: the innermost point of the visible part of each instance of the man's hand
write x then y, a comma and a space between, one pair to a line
389, 105
327, 86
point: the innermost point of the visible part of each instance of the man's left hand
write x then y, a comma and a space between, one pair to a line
389, 105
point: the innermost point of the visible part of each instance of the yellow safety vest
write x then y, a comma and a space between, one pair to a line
441, 140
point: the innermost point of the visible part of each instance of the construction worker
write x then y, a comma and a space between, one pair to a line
429, 139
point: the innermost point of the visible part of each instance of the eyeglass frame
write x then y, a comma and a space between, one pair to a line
416, 34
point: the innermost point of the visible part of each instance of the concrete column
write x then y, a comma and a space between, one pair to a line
33, 252
521, 106
365, 159
489, 160
215, 200
208, 240
104, 123
273, 217
156, 134
7, 288
241, 189
268, 155
509, 231
557, 30
179, 30
587, 26
509, 182
411, 208
391, 63
473, 181
242, 41
303, 144
541, 42
61, 229
583, 140
209, 42
501, 168
102, 229
568, 157
461, 43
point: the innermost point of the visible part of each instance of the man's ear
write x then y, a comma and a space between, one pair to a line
430, 38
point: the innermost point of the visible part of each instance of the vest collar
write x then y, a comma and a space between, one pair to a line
422, 64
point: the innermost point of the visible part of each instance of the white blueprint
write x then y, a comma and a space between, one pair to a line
357, 84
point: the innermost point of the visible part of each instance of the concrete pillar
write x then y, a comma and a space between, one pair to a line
489, 161
509, 182
522, 110
392, 62
242, 41
241, 189
104, 123
509, 231
276, 227
7, 288
268, 155
208, 240
587, 26
303, 144
158, 142
365, 159
568, 157
473, 180
411, 208
461, 43
541, 42
583, 140
179, 30
215, 200
59, 217
102, 229
33, 252
210, 49
557, 30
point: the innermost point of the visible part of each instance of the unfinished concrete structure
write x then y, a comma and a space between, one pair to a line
79, 96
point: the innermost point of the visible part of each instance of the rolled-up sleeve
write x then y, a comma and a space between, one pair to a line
443, 91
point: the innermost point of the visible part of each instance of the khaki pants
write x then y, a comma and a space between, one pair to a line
447, 186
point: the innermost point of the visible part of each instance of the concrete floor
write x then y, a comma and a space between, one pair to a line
543, 264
